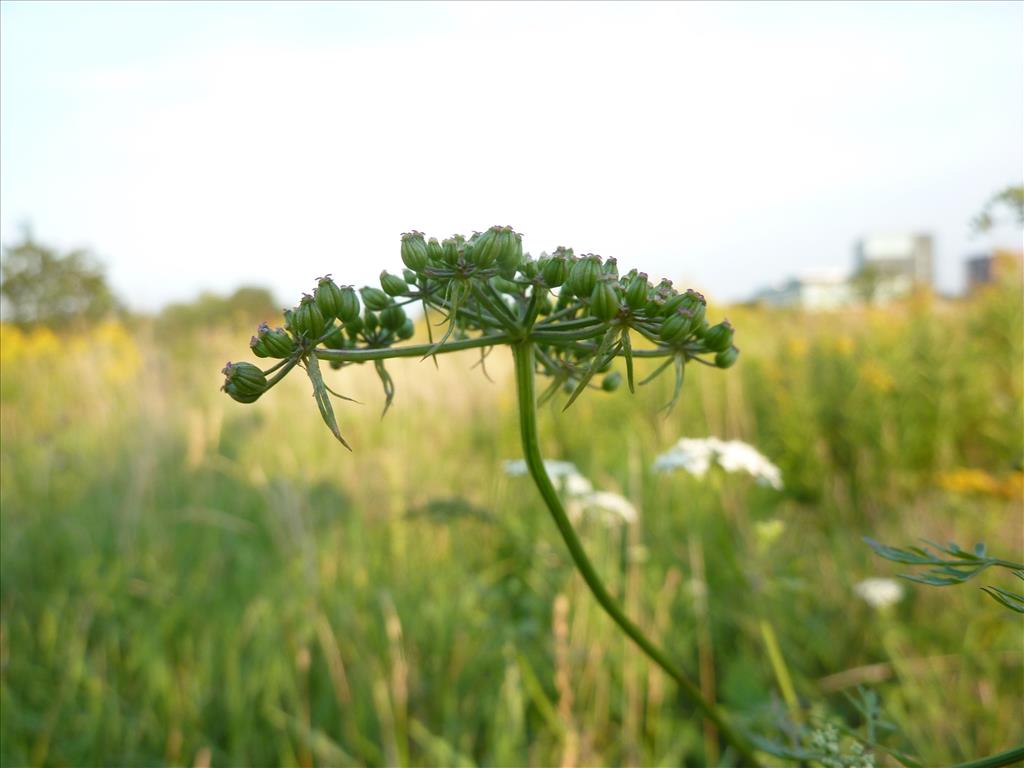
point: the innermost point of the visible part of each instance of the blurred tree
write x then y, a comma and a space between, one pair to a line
40, 286
1011, 199
247, 306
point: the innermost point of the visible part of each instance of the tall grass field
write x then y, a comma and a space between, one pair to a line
191, 581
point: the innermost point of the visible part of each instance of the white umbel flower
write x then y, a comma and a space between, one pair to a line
581, 498
564, 474
698, 455
879, 593
611, 508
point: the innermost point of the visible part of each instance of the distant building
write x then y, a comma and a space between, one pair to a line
988, 268
890, 266
823, 291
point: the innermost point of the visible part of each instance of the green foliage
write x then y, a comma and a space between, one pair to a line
956, 567
41, 286
1009, 200
183, 579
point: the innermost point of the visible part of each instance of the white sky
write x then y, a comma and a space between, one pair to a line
203, 146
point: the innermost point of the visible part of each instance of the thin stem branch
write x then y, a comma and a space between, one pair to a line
414, 350
523, 355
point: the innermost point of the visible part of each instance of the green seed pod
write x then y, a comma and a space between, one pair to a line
371, 322
328, 297
410, 277
307, 319
435, 253
335, 339
670, 304
257, 346
529, 267
695, 302
611, 382
335, 365
676, 326
718, 338
393, 285
414, 251
244, 382
727, 357
546, 306
482, 250
583, 275
604, 300
392, 318
276, 343
510, 254
375, 298
348, 304
611, 267
407, 330
354, 327
555, 270
450, 250
636, 291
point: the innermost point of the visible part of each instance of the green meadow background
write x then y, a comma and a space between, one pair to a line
190, 581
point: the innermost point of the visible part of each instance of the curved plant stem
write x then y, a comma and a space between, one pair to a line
523, 354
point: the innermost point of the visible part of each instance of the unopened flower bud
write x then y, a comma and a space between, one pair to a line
272, 343
258, 347
636, 291
676, 326
348, 304
727, 357
717, 338
375, 298
604, 300
611, 267
695, 302
583, 275
555, 270
393, 285
392, 318
407, 330
482, 249
371, 322
611, 382
244, 382
510, 253
450, 250
410, 277
328, 297
414, 251
435, 253
307, 319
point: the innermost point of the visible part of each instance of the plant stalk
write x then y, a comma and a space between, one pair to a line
523, 354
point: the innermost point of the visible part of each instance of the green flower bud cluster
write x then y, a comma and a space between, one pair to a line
579, 312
